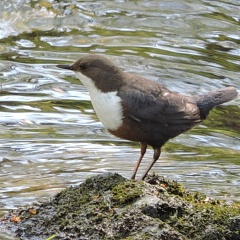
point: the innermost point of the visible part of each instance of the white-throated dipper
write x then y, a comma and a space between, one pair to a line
138, 109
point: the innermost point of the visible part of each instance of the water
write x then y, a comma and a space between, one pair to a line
50, 136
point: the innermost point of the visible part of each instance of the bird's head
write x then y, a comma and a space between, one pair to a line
98, 70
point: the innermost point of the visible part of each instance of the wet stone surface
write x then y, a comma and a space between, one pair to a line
109, 206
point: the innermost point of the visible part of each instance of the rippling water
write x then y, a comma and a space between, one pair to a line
50, 136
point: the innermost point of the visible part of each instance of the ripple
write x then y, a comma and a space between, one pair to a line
50, 135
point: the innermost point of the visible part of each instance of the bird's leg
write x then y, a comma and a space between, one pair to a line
143, 151
156, 155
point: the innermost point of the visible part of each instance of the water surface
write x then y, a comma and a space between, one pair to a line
50, 135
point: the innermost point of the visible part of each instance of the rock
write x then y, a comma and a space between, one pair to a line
109, 206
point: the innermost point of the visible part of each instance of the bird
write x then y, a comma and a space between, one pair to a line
139, 109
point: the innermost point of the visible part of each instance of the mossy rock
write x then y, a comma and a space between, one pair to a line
109, 206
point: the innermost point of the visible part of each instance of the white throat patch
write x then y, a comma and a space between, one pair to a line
106, 105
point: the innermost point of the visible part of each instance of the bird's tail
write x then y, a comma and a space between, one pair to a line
211, 99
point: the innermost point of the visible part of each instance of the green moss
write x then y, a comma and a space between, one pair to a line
88, 190
126, 193
174, 188
110, 207
201, 216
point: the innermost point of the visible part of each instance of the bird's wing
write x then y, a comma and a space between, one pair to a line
154, 103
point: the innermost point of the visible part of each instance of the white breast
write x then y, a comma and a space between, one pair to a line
106, 105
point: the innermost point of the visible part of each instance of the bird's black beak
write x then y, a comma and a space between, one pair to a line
68, 67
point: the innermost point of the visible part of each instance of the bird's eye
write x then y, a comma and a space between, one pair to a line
83, 66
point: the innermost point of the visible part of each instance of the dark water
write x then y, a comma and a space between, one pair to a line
51, 138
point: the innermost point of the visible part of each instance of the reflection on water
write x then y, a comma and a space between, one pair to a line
50, 136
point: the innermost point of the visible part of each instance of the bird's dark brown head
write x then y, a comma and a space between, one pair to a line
105, 74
